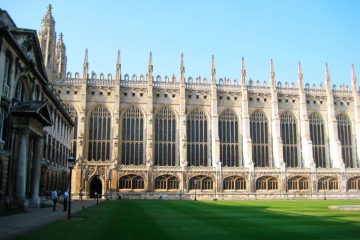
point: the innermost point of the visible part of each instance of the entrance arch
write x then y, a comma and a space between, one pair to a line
95, 187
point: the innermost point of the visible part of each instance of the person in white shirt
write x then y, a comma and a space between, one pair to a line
65, 197
54, 198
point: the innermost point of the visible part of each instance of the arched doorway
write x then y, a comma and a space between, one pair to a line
95, 187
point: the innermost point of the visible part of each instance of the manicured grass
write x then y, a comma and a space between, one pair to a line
145, 219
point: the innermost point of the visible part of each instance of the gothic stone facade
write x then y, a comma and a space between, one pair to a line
141, 136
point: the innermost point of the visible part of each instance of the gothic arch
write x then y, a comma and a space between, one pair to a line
166, 183
229, 138
289, 136
131, 182
234, 183
298, 183
132, 136
201, 182
267, 183
328, 183
318, 138
197, 127
353, 183
99, 133
165, 135
344, 128
260, 136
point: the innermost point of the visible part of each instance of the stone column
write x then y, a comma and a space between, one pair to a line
22, 165
36, 173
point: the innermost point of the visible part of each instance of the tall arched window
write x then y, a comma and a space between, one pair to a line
99, 134
197, 139
20, 93
260, 139
289, 139
234, 183
74, 116
229, 138
132, 137
166, 183
344, 132
318, 140
165, 137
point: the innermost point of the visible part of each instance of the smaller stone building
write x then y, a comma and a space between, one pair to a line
35, 127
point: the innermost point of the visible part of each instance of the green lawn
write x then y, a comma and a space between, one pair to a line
145, 219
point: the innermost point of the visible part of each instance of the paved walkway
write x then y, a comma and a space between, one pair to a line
33, 218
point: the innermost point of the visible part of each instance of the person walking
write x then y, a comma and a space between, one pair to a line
65, 197
54, 198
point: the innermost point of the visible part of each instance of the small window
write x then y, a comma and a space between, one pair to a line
109, 93
173, 95
280, 100
265, 99
334, 103
125, 93
293, 101
348, 103
342, 103
220, 97
189, 96
228, 98
59, 92
92, 93
321, 102
287, 100
197, 96
157, 95
314, 102
165, 95
133, 94
75, 92
204, 97
258, 99
250, 99
307, 101
235, 98
141, 94
101, 93
67, 92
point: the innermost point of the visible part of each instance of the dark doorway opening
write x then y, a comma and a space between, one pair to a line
95, 187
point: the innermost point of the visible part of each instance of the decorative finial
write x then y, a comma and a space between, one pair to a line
182, 67
86, 57
272, 74
118, 62
300, 76
60, 36
243, 72
327, 76
354, 80
213, 71
150, 59
49, 9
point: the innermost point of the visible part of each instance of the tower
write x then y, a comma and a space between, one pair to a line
47, 39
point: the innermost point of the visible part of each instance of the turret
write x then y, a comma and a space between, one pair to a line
61, 58
47, 40
354, 81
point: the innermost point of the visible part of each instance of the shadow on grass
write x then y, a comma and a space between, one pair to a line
205, 220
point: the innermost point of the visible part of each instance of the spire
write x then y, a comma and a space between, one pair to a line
60, 58
150, 67
300, 77
213, 70
272, 74
354, 80
118, 66
243, 72
48, 18
182, 67
85, 65
327, 77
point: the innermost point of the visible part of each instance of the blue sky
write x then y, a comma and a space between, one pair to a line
313, 32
